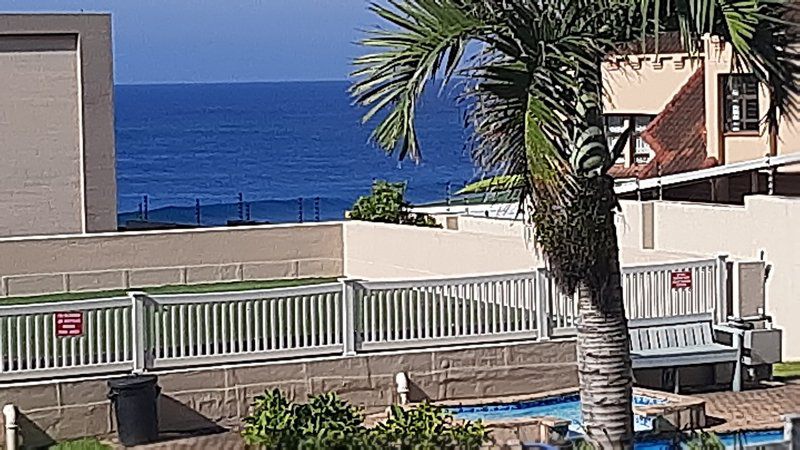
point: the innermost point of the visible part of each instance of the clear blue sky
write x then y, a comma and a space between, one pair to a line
225, 40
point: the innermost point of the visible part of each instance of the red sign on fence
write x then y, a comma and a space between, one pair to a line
681, 279
69, 324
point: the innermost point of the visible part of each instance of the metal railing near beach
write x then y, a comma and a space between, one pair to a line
145, 332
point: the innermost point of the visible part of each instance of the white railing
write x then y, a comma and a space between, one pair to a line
447, 311
30, 346
195, 329
676, 289
148, 332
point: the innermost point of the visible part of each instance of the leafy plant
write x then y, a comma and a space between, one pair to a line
274, 421
703, 440
328, 422
427, 427
387, 204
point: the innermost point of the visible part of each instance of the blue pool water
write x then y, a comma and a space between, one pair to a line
565, 407
568, 407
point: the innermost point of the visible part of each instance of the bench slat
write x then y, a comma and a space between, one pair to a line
680, 336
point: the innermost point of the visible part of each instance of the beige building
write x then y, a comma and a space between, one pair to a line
690, 113
56, 124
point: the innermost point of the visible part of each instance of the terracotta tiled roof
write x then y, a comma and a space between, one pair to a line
677, 135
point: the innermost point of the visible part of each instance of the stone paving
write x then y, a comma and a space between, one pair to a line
754, 409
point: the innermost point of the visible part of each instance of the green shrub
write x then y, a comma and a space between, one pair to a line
327, 422
427, 427
387, 204
703, 441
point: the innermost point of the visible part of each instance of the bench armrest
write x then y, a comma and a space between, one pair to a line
729, 330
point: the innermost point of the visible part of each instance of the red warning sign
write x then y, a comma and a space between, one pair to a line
681, 279
69, 324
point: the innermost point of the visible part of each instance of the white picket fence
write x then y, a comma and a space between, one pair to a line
448, 311
29, 347
150, 332
191, 329
649, 290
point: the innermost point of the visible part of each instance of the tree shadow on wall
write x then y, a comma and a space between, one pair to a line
31, 436
177, 420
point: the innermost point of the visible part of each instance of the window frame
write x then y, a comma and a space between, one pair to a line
748, 126
630, 118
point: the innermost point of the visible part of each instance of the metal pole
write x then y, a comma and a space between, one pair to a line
146, 203
638, 191
771, 182
247, 212
300, 209
660, 186
241, 206
197, 210
316, 209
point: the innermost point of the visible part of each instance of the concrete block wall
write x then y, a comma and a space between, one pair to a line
75, 263
201, 399
57, 132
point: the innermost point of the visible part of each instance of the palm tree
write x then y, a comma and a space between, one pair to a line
530, 77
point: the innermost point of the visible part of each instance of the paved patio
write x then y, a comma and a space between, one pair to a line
755, 409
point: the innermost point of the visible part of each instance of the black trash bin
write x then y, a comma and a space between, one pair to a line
135, 402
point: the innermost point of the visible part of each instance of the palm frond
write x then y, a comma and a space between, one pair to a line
429, 37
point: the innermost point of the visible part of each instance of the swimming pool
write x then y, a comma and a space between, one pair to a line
567, 407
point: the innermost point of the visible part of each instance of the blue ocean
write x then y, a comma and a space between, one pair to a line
294, 150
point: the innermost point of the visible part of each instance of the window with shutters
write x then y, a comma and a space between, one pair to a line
636, 147
741, 103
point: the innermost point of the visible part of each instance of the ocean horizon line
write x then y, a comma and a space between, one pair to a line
192, 83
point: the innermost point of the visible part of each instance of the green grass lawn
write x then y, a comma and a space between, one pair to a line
81, 444
787, 370
172, 289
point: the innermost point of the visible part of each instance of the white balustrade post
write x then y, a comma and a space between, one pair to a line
349, 316
791, 431
721, 303
543, 302
138, 331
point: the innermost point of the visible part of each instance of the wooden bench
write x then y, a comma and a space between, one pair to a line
675, 342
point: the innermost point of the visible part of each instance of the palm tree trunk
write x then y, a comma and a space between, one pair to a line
604, 363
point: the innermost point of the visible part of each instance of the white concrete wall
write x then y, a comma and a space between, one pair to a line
92, 262
628, 79
382, 251
763, 223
